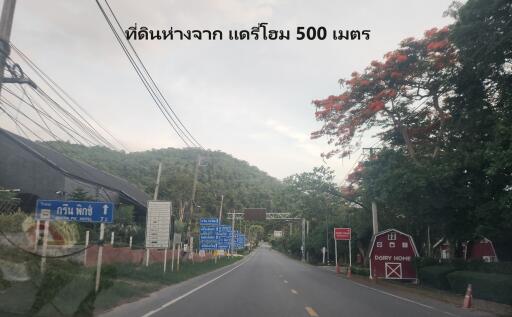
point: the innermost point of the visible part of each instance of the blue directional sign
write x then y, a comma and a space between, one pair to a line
81, 211
208, 245
208, 233
208, 221
206, 230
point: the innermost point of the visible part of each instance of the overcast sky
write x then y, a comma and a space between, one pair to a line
251, 99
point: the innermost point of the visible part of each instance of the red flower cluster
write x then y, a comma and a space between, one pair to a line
376, 105
437, 45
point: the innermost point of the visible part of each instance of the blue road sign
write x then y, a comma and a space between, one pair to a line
208, 245
81, 211
209, 221
208, 230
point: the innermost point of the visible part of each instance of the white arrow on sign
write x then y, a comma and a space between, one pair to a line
105, 209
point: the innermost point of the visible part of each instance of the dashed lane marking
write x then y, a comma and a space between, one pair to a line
311, 311
294, 291
285, 281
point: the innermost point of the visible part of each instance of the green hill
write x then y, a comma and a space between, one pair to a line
241, 184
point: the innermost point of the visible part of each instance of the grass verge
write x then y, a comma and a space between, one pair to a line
67, 289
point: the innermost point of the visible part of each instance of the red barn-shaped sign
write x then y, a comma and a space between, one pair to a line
481, 249
391, 255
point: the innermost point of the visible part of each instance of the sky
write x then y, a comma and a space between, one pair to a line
251, 99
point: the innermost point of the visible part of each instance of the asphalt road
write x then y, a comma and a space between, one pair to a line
267, 283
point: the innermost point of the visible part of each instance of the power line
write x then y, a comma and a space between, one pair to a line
151, 79
149, 83
68, 100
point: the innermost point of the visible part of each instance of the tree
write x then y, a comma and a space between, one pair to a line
387, 94
80, 194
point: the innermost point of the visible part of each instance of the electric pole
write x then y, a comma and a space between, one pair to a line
233, 233
17, 75
303, 240
194, 187
220, 211
192, 202
157, 187
375, 218
5, 35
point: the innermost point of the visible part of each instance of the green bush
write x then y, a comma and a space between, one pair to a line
435, 275
361, 270
12, 222
495, 267
490, 286
420, 262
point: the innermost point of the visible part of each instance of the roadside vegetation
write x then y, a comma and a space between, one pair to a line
67, 288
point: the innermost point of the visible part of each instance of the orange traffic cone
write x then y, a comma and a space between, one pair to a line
337, 269
349, 272
468, 298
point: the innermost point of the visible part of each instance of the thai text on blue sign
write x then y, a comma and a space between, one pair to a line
81, 211
208, 221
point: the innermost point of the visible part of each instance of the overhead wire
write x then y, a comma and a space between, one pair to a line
190, 136
143, 74
69, 101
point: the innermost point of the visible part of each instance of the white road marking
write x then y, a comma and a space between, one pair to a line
285, 281
311, 311
294, 291
404, 299
169, 303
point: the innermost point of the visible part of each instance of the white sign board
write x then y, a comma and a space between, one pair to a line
176, 238
278, 234
158, 224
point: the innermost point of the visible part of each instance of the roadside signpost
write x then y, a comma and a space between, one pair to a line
343, 234
80, 211
157, 225
214, 237
176, 239
208, 234
223, 237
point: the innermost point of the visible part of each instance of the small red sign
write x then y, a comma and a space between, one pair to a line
342, 233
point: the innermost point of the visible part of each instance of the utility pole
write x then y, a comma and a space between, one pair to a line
233, 233
5, 34
303, 253
6, 21
194, 187
157, 187
220, 211
375, 219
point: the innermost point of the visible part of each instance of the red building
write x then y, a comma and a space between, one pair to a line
480, 249
391, 255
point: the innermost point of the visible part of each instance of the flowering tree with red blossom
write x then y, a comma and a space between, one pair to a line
388, 93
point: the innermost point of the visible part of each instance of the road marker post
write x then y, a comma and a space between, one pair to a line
172, 256
468, 298
349, 270
112, 239
100, 257
36, 236
131, 240
336, 256
45, 244
86, 245
178, 260
165, 259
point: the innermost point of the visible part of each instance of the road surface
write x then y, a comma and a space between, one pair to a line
267, 283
